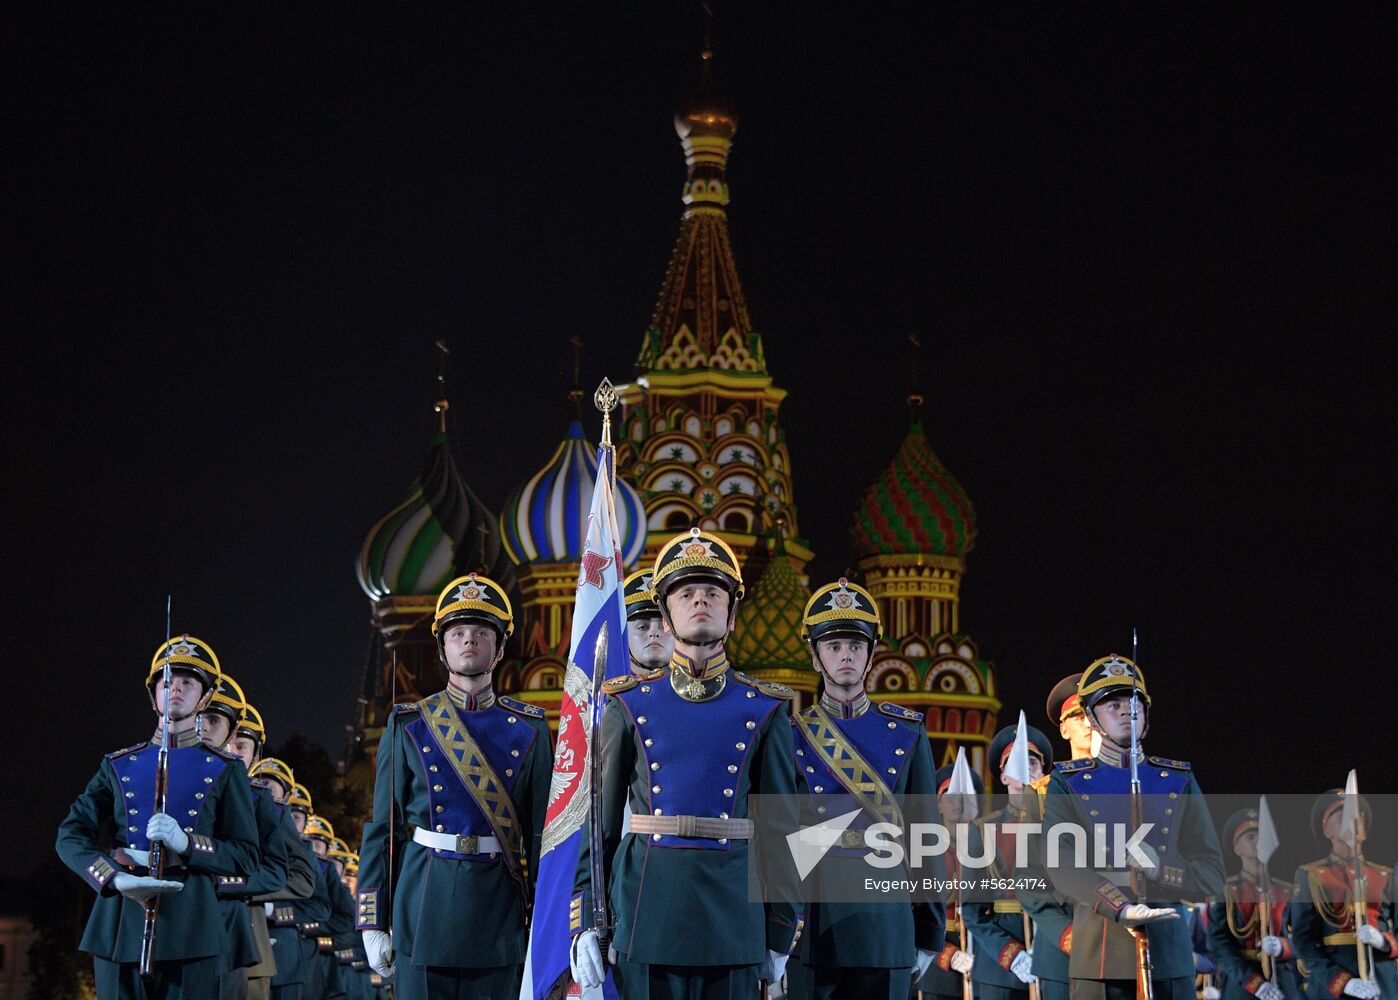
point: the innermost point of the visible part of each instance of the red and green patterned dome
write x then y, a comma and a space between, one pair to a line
768, 634
915, 508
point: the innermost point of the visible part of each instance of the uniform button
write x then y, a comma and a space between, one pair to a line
208, 760
722, 815
514, 753
436, 788
1086, 797
510, 718
134, 812
432, 768
655, 789
132, 757
655, 836
1174, 795
132, 828
893, 770
650, 742
1087, 777
189, 829
1168, 811
809, 769
724, 840
657, 812
899, 752
198, 795
1164, 774
509, 772
441, 828
194, 812
751, 694
130, 795
1092, 812
655, 765
750, 724
208, 781
640, 720
820, 788
741, 746
800, 753
126, 777
441, 809
426, 749
820, 809
732, 768
1163, 849
893, 725
1164, 829
645, 689
728, 793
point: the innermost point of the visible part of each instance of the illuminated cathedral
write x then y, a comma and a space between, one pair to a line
699, 442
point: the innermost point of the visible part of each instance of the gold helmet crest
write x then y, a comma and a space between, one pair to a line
696, 554
473, 597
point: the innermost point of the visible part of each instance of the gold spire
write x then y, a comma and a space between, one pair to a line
441, 406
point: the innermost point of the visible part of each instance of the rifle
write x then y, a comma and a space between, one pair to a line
156, 863
1145, 990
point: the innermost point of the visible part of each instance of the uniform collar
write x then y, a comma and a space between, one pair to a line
477, 702
845, 710
712, 667
188, 738
698, 683
1117, 758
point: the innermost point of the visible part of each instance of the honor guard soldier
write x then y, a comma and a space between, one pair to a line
1182, 848
1243, 948
1001, 928
948, 977
207, 830
1323, 925
275, 779
465, 775
685, 749
647, 640
1066, 713
247, 950
339, 914
870, 756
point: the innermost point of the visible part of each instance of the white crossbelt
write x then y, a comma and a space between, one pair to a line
460, 843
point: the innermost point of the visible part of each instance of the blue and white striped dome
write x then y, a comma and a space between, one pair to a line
546, 518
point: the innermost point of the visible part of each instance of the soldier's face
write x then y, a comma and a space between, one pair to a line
299, 818
470, 649
184, 694
1114, 717
214, 729
1036, 771
699, 612
955, 808
319, 847
1245, 845
1077, 732
246, 748
274, 789
339, 867
648, 641
842, 660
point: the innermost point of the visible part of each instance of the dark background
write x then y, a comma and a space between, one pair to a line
1150, 254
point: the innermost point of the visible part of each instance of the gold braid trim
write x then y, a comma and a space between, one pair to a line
1335, 916
1230, 907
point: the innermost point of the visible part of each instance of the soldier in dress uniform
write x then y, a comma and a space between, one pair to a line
685, 749
1185, 860
1323, 931
465, 774
946, 977
1066, 713
338, 918
649, 644
273, 778
208, 829
1004, 965
869, 755
1233, 924
246, 949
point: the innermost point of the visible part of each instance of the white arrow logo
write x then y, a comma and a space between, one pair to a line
811, 843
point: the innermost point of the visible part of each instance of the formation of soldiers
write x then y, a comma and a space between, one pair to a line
252, 895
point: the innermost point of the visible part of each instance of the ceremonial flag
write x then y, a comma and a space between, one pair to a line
599, 601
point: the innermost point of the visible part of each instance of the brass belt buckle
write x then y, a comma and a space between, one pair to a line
467, 844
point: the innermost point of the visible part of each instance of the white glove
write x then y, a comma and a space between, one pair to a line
774, 967
1361, 989
585, 960
923, 962
1151, 867
140, 888
1269, 991
962, 962
1369, 934
378, 947
270, 909
1136, 914
136, 857
1210, 993
162, 827
1020, 967
1271, 946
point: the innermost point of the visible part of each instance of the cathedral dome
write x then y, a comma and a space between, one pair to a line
439, 532
707, 113
546, 518
915, 508
768, 635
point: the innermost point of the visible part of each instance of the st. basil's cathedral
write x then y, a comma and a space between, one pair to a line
699, 442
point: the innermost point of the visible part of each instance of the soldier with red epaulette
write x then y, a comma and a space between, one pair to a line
1323, 926
1234, 924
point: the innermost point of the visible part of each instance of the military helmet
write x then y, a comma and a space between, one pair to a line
473, 598
841, 608
640, 596
251, 724
190, 655
318, 828
1004, 742
1239, 823
352, 865
1327, 802
228, 701
696, 554
272, 769
300, 798
338, 850
1108, 675
943, 779
1063, 701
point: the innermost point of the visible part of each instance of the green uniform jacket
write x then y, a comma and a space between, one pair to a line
300, 885
1318, 911
223, 841
1184, 837
244, 946
439, 895
684, 901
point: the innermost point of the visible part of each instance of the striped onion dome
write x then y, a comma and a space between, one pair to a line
441, 531
915, 508
768, 633
546, 518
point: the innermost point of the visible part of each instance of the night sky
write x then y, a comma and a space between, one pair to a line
1150, 255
